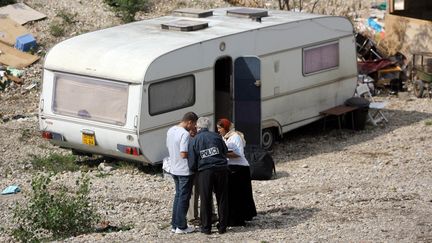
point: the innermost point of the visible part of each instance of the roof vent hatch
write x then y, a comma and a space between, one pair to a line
193, 13
252, 13
185, 25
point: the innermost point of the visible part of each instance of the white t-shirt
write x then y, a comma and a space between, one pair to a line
235, 144
177, 141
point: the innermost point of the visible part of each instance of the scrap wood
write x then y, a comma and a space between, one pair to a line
10, 30
15, 58
21, 13
14, 79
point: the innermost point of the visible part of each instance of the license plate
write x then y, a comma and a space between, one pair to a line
88, 139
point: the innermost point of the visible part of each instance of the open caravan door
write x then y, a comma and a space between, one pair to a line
247, 115
247, 98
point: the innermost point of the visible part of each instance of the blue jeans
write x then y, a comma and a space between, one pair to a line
183, 187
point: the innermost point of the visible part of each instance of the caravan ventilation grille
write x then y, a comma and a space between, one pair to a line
193, 12
247, 13
185, 25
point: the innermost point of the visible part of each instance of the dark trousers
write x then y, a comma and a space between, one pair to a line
241, 203
213, 180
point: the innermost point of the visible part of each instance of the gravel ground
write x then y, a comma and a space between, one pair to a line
369, 185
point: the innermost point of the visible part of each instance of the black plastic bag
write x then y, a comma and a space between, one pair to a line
261, 163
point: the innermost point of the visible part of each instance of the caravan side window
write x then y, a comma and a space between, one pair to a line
320, 58
171, 94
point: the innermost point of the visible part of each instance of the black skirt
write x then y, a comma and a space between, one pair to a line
240, 199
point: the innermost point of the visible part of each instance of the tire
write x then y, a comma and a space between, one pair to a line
418, 88
268, 138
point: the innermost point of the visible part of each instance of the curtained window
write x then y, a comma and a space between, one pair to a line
91, 99
320, 58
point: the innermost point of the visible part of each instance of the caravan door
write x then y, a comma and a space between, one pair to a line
247, 98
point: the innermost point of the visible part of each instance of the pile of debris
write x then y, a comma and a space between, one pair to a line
17, 45
373, 22
380, 72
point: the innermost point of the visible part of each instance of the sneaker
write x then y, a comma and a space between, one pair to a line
185, 231
173, 230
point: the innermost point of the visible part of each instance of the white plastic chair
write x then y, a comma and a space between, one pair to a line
375, 108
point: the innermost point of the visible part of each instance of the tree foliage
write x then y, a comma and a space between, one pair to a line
326, 7
6, 2
127, 9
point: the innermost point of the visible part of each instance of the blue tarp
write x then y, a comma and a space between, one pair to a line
11, 190
374, 25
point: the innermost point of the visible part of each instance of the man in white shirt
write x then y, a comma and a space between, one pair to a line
177, 144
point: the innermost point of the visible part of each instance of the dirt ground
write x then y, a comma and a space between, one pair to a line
333, 185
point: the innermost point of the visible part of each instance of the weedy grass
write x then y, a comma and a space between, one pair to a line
67, 17
56, 29
55, 163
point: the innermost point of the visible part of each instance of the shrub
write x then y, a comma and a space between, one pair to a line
55, 163
26, 134
64, 20
6, 2
55, 215
127, 9
56, 29
67, 17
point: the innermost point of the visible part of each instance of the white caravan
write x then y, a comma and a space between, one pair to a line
116, 91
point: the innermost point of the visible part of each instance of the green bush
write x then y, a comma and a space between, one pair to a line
55, 215
127, 9
67, 17
56, 29
55, 163
64, 21
6, 2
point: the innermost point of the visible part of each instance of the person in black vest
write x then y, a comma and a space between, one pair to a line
207, 155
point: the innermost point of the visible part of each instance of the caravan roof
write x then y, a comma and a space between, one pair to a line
124, 52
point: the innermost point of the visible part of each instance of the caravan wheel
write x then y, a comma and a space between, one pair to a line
268, 138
